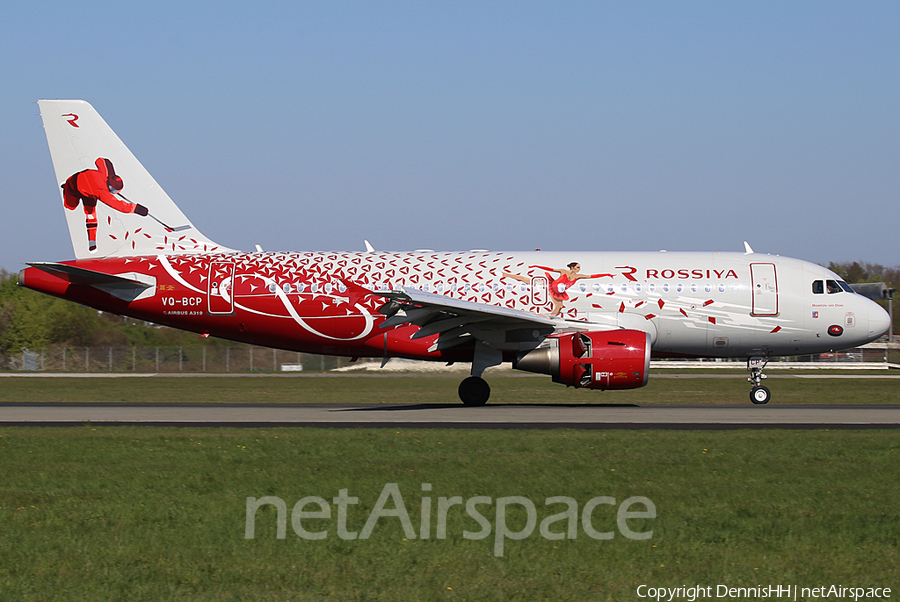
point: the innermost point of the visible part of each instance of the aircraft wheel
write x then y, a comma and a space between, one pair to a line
474, 391
760, 395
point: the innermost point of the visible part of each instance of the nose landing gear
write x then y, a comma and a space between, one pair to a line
759, 394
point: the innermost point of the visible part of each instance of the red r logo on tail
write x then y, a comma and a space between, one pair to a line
73, 119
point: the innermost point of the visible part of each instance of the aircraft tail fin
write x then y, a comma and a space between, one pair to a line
113, 206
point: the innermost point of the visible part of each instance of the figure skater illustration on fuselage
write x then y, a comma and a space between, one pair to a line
568, 276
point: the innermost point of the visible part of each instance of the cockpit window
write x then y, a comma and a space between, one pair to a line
832, 286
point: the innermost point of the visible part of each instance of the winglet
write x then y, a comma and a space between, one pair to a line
369, 247
747, 249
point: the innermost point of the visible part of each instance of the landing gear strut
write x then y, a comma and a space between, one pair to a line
759, 394
474, 391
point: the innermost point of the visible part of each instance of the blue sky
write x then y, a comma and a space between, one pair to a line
500, 125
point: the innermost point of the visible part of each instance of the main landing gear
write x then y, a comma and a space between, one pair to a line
759, 394
474, 391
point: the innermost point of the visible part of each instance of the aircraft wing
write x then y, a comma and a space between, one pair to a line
457, 321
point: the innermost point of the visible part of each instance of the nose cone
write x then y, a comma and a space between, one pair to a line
879, 321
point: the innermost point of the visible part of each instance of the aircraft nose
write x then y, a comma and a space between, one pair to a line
879, 321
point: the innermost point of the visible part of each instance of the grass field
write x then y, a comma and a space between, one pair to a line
159, 513
124, 513
662, 388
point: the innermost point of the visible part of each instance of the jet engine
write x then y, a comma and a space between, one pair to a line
614, 359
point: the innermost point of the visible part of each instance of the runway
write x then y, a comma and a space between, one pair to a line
500, 416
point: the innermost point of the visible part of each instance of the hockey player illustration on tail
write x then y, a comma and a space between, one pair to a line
92, 185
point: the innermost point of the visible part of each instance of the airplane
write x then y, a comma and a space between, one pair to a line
138, 255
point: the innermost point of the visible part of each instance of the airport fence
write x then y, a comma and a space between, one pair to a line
212, 358
250, 358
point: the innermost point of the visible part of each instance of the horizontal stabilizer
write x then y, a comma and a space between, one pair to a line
128, 287
75, 275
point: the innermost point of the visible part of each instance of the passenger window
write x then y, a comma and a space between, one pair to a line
818, 287
833, 287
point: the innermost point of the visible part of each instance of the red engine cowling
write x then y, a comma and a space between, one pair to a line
614, 359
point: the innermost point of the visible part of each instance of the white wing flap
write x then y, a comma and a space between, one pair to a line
457, 321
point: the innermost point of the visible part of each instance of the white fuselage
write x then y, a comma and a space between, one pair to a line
692, 304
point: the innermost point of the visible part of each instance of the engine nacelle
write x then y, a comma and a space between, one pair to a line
614, 359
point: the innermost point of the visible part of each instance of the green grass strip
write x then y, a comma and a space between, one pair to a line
437, 389
123, 513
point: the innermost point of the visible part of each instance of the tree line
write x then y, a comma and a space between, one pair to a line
33, 320
854, 272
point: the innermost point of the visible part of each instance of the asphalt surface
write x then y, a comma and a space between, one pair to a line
498, 416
